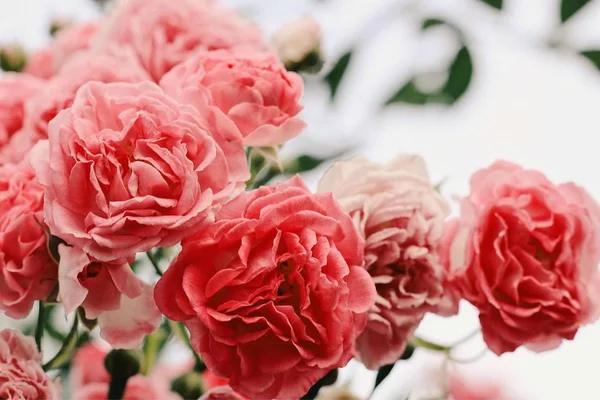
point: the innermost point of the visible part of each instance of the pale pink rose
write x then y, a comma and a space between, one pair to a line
164, 33
15, 91
401, 216
21, 375
297, 39
89, 379
107, 291
462, 387
88, 367
44, 63
27, 272
221, 393
138, 172
250, 92
84, 67
525, 252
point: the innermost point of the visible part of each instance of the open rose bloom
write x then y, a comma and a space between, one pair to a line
525, 252
140, 203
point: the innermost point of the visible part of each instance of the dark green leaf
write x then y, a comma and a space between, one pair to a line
327, 380
430, 22
409, 93
568, 8
408, 352
382, 374
334, 77
53, 242
494, 3
593, 56
460, 74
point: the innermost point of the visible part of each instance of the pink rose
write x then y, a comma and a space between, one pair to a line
525, 252
27, 272
107, 291
21, 375
466, 388
221, 393
252, 92
401, 216
60, 91
295, 40
44, 63
139, 171
272, 292
164, 33
90, 381
15, 91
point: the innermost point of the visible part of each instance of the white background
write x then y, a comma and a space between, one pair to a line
527, 103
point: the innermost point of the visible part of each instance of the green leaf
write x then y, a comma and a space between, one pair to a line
494, 3
593, 56
382, 374
568, 8
460, 74
409, 93
431, 22
334, 77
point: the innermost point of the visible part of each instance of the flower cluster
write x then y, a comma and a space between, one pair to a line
277, 286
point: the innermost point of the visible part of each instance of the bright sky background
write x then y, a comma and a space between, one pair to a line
527, 104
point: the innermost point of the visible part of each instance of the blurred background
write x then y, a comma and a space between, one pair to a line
461, 82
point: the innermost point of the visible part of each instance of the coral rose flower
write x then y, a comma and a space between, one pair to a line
401, 216
21, 375
525, 252
250, 91
127, 168
164, 33
273, 292
27, 272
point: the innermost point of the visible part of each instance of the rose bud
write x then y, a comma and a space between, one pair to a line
12, 58
298, 45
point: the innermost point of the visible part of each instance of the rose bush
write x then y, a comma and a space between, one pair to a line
139, 171
401, 216
273, 292
242, 90
525, 252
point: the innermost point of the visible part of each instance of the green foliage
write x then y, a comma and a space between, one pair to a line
494, 3
335, 76
593, 56
568, 8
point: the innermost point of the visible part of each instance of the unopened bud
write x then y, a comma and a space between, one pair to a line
122, 363
12, 58
298, 45
189, 386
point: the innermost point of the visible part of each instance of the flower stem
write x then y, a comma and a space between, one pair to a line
65, 353
39, 328
154, 263
466, 338
179, 330
425, 344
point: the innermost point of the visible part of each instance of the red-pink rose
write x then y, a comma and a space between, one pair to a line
251, 91
21, 375
86, 66
27, 272
272, 292
15, 91
164, 33
401, 216
463, 387
130, 169
525, 252
110, 292
44, 63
